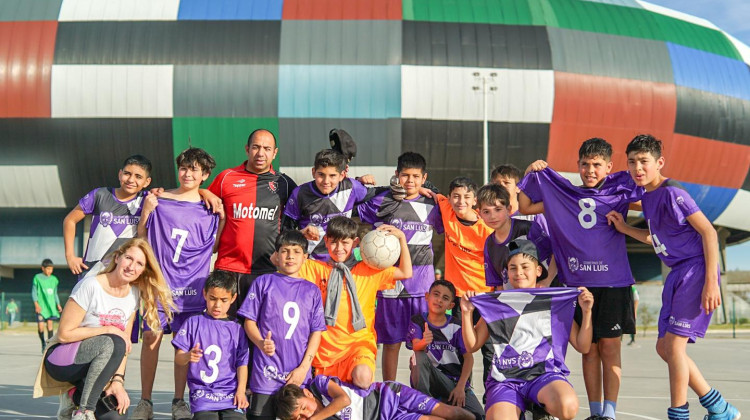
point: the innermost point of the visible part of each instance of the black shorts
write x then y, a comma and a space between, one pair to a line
228, 414
612, 314
261, 407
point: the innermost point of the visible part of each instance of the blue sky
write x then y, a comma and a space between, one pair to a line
733, 17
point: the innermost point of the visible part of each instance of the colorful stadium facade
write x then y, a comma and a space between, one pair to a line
84, 83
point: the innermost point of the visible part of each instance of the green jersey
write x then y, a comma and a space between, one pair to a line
44, 292
11, 307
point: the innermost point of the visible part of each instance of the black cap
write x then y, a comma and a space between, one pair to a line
343, 143
525, 246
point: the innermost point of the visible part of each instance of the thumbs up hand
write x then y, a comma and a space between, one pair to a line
269, 347
427, 335
196, 353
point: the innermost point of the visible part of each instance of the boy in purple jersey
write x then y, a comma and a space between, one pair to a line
115, 211
182, 232
529, 342
418, 217
441, 365
284, 320
214, 350
328, 398
590, 253
330, 194
687, 243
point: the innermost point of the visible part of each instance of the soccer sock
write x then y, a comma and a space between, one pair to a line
609, 409
49, 334
176, 400
679, 413
41, 336
713, 402
595, 407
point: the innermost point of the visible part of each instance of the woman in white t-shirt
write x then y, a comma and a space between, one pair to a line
87, 356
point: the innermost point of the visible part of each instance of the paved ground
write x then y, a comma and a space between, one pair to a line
644, 394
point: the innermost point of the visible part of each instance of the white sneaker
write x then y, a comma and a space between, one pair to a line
84, 415
143, 411
181, 411
67, 407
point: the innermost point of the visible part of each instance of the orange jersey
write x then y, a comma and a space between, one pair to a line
464, 250
341, 341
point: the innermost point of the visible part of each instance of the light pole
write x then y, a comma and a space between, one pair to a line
487, 84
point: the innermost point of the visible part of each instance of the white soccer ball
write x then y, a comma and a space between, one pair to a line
380, 250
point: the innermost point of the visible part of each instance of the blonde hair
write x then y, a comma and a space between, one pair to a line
150, 283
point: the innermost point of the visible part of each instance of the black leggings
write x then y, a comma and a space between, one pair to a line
88, 364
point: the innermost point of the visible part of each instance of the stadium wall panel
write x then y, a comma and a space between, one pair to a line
476, 45
230, 10
710, 162
695, 36
342, 10
735, 214
183, 42
26, 56
710, 72
609, 55
71, 144
445, 93
713, 116
625, 3
226, 90
675, 14
25, 10
378, 140
361, 42
454, 148
345, 91
111, 10
711, 200
614, 109
224, 138
111, 91
509, 12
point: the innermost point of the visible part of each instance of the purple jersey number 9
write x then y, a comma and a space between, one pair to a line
291, 317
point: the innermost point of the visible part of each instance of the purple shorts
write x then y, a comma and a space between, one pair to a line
178, 318
681, 312
518, 391
393, 316
412, 404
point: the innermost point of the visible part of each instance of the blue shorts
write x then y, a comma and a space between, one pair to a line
681, 312
393, 316
40, 318
518, 391
178, 318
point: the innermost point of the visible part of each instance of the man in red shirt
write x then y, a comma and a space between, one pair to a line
254, 196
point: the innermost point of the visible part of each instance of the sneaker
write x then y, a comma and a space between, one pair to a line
67, 406
538, 413
594, 417
730, 413
84, 415
143, 411
181, 411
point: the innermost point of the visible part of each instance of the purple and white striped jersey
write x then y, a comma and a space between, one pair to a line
496, 253
308, 206
114, 222
666, 210
182, 234
446, 352
529, 330
418, 218
213, 379
589, 252
291, 309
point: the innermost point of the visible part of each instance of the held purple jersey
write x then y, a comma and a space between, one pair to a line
291, 309
589, 252
666, 210
381, 401
446, 352
213, 379
496, 253
114, 222
529, 330
418, 218
182, 234
308, 206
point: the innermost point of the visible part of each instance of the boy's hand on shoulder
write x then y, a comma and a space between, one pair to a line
536, 166
196, 353
398, 192
240, 400
366, 179
157, 191
585, 299
427, 335
426, 192
392, 230
711, 296
149, 204
614, 218
457, 397
213, 202
269, 347
297, 376
311, 233
76, 264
